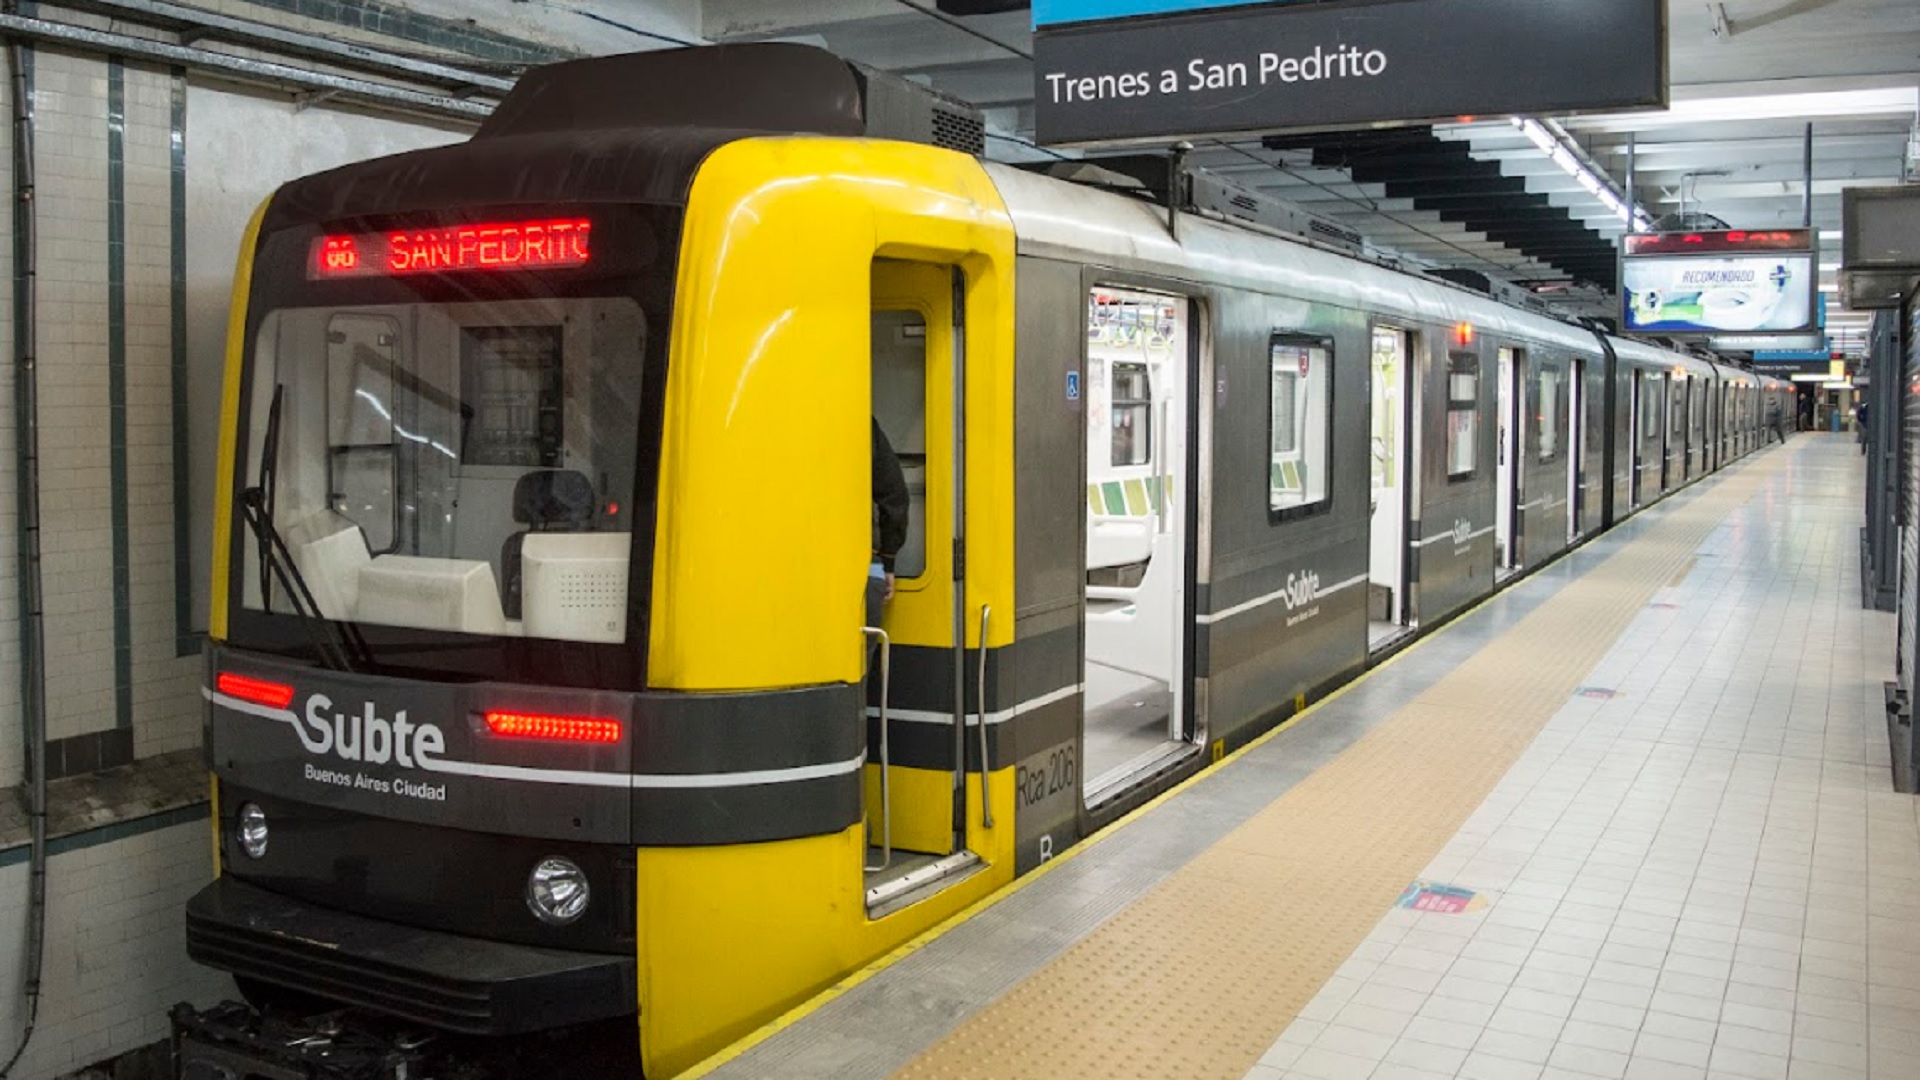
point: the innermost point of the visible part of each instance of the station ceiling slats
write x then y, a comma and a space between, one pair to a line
1748, 78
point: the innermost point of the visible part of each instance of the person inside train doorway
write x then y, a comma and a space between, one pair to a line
1776, 424
891, 507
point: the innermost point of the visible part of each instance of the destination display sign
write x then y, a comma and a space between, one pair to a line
491, 246
1732, 240
1272, 67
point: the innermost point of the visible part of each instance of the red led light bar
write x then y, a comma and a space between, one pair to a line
1714, 243
578, 729
548, 244
258, 691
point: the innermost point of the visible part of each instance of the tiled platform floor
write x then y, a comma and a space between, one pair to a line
1698, 871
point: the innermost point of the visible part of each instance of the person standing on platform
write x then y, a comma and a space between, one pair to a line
1806, 413
1776, 423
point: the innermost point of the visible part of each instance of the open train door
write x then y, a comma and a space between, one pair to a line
1142, 355
921, 674
1390, 614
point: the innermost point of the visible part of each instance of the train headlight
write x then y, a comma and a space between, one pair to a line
557, 891
253, 830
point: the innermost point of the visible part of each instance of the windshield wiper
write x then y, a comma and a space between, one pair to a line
339, 647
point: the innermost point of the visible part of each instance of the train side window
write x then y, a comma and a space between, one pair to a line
1463, 415
1299, 414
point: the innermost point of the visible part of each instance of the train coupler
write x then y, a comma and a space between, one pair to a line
232, 1041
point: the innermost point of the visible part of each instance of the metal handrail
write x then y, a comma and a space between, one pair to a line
886, 753
986, 767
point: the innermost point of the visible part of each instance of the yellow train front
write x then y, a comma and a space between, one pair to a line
536, 689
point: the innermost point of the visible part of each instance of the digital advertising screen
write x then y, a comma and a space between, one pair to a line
1704, 294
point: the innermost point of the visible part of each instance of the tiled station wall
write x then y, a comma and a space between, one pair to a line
146, 178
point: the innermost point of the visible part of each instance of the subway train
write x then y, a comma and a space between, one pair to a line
543, 725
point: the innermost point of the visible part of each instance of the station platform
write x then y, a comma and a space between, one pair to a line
1632, 818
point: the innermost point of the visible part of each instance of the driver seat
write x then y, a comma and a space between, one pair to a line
545, 500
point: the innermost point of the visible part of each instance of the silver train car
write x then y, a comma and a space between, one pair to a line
1357, 454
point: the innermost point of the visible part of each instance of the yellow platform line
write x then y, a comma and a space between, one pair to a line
1197, 977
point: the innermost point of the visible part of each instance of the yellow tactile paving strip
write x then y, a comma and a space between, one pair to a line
1198, 977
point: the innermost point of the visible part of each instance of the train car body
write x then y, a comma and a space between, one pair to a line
539, 700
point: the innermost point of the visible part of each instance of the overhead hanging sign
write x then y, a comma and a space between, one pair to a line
1253, 69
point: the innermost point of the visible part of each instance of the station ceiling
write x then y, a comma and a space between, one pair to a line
1748, 77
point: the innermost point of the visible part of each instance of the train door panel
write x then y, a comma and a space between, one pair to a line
1508, 483
1389, 612
912, 808
1545, 488
1139, 365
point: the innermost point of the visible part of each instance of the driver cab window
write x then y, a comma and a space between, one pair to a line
460, 467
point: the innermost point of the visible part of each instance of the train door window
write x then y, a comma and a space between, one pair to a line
1553, 417
361, 449
899, 344
1300, 411
1653, 398
1388, 609
1577, 423
1636, 423
1130, 406
1463, 415
1138, 359
1677, 399
1509, 366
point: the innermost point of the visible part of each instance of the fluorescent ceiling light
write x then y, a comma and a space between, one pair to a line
1887, 101
1558, 153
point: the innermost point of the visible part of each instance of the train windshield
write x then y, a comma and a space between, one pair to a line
460, 467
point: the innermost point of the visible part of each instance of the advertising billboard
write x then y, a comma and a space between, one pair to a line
1692, 294
1731, 281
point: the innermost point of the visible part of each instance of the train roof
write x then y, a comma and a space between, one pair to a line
1055, 217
